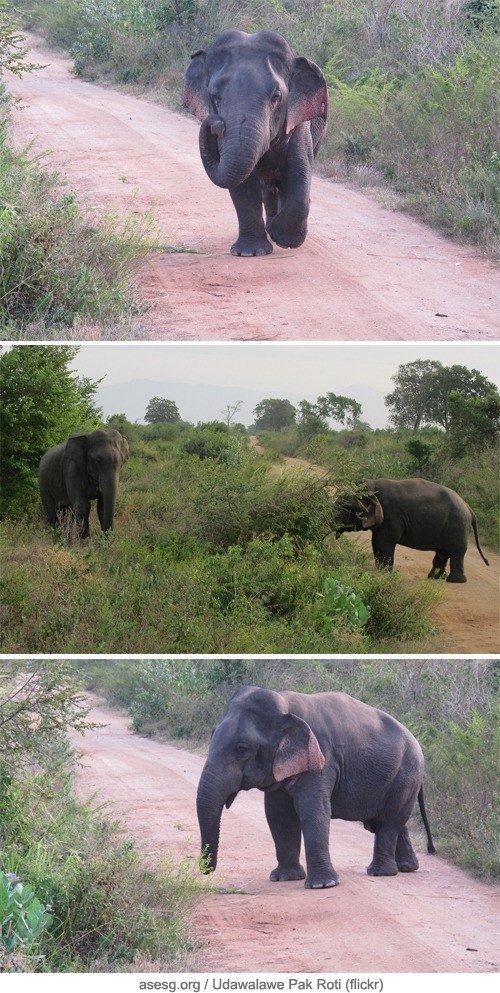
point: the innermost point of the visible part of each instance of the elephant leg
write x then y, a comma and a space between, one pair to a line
289, 227
406, 860
285, 829
384, 851
252, 238
50, 510
438, 564
81, 511
457, 574
270, 198
314, 810
383, 550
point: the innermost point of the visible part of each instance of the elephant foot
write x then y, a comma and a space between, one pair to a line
248, 246
285, 873
285, 233
315, 881
382, 869
436, 575
456, 578
408, 865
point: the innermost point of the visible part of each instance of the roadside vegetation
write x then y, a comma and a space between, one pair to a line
74, 895
452, 708
412, 83
217, 549
58, 266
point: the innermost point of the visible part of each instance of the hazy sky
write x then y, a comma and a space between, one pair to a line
272, 370
277, 369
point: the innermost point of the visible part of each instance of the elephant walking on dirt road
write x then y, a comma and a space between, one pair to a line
315, 757
263, 116
413, 512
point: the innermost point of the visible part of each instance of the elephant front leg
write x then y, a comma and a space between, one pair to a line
288, 228
383, 550
252, 238
285, 829
314, 812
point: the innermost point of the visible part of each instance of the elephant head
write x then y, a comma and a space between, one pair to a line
250, 93
358, 513
257, 744
91, 466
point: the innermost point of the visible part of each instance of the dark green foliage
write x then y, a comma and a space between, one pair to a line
274, 415
162, 411
423, 389
42, 403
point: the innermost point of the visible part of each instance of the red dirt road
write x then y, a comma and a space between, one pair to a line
435, 920
364, 271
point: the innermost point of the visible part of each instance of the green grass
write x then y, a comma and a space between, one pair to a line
208, 556
109, 912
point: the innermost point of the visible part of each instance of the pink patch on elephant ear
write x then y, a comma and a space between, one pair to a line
298, 751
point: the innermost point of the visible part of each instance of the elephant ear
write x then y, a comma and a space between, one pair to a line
374, 514
195, 93
125, 450
307, 94
77, 447
298, 750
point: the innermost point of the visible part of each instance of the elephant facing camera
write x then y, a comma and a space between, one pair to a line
263, 115
316, 758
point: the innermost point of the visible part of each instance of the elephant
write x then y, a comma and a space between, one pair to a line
85, 467
413, 512
315, 757
263, 115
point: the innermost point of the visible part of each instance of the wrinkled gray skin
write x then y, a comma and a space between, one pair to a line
263, 116
416, 513
315, 757
85, 467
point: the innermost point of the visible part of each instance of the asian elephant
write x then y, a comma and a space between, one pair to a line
263, 116
416, 513
83, 468
315, 757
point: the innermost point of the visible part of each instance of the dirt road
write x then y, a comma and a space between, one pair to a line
434, 920
468, 619
364, 271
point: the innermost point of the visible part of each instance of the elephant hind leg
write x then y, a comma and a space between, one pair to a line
457, 574
384, 851
406, 860
439, 564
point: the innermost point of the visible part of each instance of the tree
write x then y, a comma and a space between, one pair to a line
162, 411
42, 403
423, 388
343, 409
231, 410
310, 420
474, 422
274, 415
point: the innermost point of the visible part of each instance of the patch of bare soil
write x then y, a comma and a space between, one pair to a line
364, 271
435, 920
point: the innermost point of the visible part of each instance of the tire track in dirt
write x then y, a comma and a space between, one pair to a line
434, 920
364, 271
467, 621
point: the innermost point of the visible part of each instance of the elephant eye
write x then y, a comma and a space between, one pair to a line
241, 748
276, 98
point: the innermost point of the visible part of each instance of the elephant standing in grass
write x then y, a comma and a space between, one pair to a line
86, 467
315, 757
263, 116
416, 513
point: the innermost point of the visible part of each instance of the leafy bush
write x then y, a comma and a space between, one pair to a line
341, 600
22, 916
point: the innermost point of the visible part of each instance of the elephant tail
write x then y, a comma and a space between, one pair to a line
474, 528
430, 843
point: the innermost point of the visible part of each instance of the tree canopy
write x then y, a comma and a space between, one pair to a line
162, 411
42, 403
423, 389
274, 415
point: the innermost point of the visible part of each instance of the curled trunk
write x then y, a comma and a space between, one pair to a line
213, 792
229, 157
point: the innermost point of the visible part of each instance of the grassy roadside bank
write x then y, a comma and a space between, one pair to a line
412, 85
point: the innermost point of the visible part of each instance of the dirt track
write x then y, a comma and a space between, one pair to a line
364, 271
434, 920
468, 619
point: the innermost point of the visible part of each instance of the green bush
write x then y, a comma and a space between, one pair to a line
22, 916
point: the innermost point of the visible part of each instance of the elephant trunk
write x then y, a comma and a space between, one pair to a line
108, 486
230, 151
211, 797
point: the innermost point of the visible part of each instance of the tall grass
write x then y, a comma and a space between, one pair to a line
209, 555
